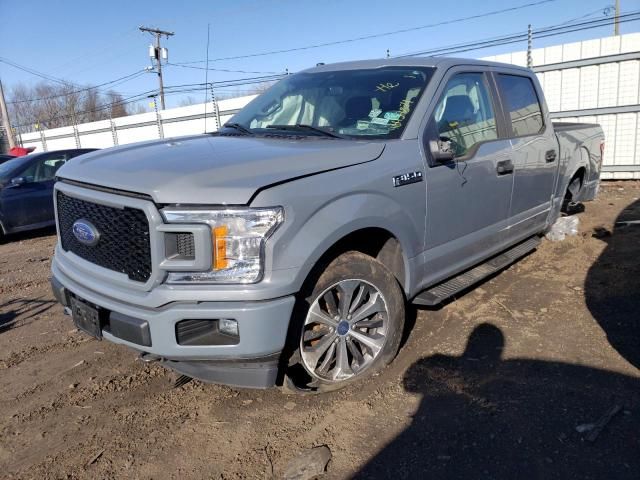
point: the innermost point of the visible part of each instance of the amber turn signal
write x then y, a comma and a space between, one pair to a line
220, 247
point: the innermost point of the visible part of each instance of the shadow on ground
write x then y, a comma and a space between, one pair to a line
484, 417
22, 309
612, 287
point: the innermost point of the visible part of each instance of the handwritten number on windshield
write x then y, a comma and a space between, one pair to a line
385, 87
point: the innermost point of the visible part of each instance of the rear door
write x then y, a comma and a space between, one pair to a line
535, 154
468, 198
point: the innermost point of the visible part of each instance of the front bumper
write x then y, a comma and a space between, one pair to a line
251, 362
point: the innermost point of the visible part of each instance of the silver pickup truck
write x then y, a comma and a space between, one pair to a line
283, 249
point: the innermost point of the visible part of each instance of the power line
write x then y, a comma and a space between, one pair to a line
602, 10
97, 52
131, 76
214, 69
553, 30
602, 21
44, 75
378, 35
33, 72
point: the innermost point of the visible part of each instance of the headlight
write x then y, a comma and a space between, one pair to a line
237, 240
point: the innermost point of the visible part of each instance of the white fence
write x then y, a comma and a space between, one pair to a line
173, 122
590, 81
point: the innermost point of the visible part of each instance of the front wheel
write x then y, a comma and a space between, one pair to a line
349, 327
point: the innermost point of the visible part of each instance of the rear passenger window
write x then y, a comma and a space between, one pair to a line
522, 103
464, 115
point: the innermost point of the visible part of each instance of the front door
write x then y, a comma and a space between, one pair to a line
30, 203
468, 198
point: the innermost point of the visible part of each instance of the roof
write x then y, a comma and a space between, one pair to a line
445, 62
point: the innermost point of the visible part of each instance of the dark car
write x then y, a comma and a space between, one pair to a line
4, 157
26, 189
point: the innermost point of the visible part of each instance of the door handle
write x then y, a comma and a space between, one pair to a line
550, 156
504, 167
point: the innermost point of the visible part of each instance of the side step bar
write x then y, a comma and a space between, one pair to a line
440, 292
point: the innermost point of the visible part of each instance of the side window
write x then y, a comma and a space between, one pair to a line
464, 115
522, 103
44, 169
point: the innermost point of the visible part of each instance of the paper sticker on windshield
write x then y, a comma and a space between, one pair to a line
380, 121
392, 115
375, 112
362, 125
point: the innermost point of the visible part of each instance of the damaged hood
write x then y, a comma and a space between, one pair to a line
214, 169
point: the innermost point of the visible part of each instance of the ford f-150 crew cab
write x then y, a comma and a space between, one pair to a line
282, 249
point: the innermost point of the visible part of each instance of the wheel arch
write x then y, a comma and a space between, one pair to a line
377, 242
371, 238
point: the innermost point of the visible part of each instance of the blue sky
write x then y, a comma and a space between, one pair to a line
91, 42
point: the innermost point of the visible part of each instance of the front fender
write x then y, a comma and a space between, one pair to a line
337, 219
322, 210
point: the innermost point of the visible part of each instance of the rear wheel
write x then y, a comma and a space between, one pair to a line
570, 205
348, 327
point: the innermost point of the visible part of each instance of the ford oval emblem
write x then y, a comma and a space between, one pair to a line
86, 232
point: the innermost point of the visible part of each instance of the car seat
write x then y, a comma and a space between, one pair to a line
356, 108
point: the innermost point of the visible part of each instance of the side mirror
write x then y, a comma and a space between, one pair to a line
17, 181
441, 150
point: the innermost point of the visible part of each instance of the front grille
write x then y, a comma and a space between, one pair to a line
124, 236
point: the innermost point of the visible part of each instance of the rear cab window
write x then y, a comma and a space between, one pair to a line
522, 104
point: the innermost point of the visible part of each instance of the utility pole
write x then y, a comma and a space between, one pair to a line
4, 113
158, 54
616, 19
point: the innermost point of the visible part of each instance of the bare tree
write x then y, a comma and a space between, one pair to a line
260, 88
188, 101
117, 105
138, 108
46, 105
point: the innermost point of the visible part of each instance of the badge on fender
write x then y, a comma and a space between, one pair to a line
407, 178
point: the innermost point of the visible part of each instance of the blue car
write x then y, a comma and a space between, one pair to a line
26, 189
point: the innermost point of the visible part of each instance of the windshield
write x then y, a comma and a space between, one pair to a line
372, 103
10, 166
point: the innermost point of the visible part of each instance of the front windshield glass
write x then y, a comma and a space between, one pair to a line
10, 166
372, 103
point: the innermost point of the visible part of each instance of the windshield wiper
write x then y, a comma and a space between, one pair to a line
302, 126
237, 126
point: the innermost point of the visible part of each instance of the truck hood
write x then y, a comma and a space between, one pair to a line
214, 169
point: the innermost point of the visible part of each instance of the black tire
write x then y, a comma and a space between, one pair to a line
570, 205
376, 288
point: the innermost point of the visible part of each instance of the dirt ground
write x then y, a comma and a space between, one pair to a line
491, 385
